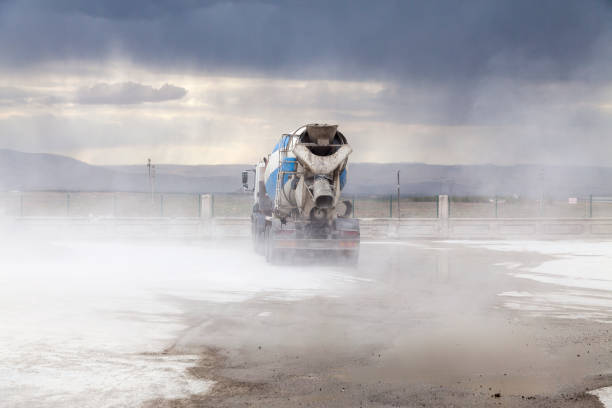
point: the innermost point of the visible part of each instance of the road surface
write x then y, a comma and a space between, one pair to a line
419, 323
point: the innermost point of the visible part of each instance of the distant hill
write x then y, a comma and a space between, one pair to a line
38, 171
48, 172
486, 180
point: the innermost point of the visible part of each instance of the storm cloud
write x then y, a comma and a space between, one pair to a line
427, 40
127, 93
439, 81
11, 95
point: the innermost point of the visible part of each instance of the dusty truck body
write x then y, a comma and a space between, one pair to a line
297, 209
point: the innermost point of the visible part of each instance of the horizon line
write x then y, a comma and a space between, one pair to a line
350, 163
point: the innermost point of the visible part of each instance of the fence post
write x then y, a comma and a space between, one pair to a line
391, 206
205, 206
438, 206
67, 204
541, 205
212, 206
443, 212
399, 210
399, 213
353, 206
591, 206
443, 204
495, 206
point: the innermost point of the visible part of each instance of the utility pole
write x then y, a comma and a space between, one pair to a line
541, 182
152, 183
398, 194
495, 205
151, 172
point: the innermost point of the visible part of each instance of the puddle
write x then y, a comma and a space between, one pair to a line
580, 275
604, 395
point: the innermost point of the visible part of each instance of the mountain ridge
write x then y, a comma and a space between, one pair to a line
21, 171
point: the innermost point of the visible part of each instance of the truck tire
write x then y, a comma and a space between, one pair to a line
259, 244
258, 239
258, 233
352, 258
270, 251
266, 239
254, 237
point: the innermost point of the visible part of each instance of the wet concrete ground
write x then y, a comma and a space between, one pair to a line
425, 325
211, 325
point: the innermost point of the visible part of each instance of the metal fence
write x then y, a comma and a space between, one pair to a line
510, 207
125, 204
60, 204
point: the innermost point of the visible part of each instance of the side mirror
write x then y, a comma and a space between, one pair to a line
245, 180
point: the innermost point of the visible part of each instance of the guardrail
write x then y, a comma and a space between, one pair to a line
204, 221
126, 204
371, 228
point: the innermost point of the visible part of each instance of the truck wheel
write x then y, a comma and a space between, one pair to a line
270, 251
258, 240
254, 237
259, 244
352, 258
257, 234
266, 241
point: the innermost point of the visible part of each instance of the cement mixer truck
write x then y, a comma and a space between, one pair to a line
297, 209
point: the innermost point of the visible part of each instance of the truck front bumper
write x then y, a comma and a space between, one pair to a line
317, 244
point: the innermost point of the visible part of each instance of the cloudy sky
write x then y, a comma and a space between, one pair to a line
186, 81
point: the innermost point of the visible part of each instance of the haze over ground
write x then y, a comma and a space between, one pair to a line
211, 82
177, 300
44, 172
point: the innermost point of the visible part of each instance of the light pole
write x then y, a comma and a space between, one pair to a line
152, 183
541, 182
398, 195
151, 173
